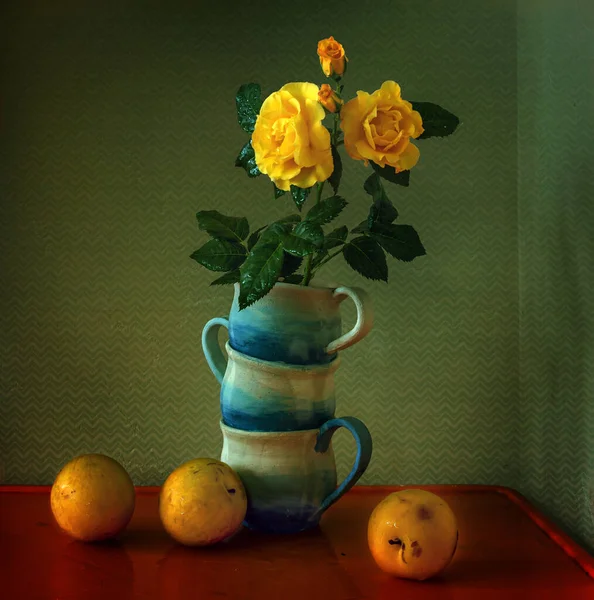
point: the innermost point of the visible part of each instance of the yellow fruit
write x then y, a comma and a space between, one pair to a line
202, 502
92, 497
412, 534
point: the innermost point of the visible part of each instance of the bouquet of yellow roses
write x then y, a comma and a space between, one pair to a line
292, 145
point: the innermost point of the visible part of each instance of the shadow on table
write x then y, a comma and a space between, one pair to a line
255, 565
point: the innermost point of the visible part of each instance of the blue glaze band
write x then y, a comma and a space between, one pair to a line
273, 421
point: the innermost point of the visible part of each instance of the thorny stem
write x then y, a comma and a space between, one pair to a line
307, 270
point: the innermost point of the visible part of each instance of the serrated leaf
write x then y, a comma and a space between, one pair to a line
299, 195
248, 101
253, 239
220, 255
382, 208
305, 239
389, 174
334, 179
318, 258
227, 278
366, 256
363, 227
289, 219
336, 237
310, 231
401, 241
274, 233
298, 246
223, 227
326, 211
290, 264
295, 278
260, 272
437, 121
247, 160
278, 193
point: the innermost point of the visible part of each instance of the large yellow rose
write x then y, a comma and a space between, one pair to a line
377, 127
291, 145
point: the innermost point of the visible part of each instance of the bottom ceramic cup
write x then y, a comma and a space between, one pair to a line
290, 476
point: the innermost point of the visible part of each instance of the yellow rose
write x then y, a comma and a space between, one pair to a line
378, 127
332, 56
290, 143
328, 98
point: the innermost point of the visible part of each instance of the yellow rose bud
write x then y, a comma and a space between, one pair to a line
290, 143
377, 127
328, 98
332, 57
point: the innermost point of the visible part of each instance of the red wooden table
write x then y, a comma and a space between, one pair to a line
506, 550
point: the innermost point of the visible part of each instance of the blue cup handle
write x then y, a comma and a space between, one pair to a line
364, 450
212, 349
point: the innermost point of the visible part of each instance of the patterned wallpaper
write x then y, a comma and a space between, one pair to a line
118, 125
556, 248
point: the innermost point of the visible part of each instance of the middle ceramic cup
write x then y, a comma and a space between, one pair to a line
258, 395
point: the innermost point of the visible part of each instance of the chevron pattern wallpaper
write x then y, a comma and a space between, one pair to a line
556, 252
119, 125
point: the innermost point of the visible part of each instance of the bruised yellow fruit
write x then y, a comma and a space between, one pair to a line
92, 497
202, 502
412, 534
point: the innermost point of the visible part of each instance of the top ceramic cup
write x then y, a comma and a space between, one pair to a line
298, 325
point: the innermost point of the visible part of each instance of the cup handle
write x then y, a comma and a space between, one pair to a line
364, 449
364, 318
212, 349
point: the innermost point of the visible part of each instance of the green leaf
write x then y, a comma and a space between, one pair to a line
221, 227
220, 255
326, 211
298, 246
389, 174
253, 239
260, 272
334, 179
230, 277
382, 209
289, 219
336, 237
437, 121
247, 160
274, 233
290, 264
305, 239
363, 227
401, 241
248, 102
278, 193
295, 278
310, 231
299, 195
366, 256
318, 258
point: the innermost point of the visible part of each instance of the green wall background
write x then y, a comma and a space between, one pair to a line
119, 124
556, 251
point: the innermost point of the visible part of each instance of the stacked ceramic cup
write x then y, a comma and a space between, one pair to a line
278, 401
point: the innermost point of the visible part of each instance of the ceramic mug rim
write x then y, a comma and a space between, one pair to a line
283, 367
318, 287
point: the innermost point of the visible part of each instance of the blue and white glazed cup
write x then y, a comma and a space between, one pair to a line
258, 395
290, 477
298, 325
